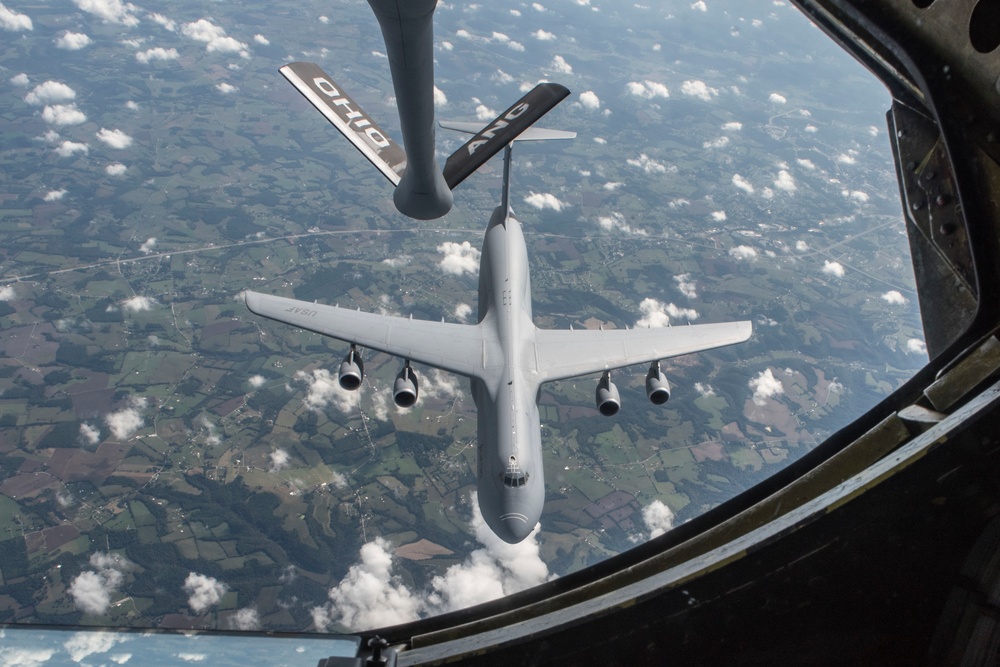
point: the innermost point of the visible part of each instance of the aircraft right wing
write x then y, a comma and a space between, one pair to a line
562, 354
458, 348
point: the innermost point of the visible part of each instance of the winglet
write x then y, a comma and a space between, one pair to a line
348, 117
502, 131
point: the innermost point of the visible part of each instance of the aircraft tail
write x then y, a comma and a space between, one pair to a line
348, 117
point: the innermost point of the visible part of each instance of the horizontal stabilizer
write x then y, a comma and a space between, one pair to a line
348, 117
491, 139
531, 134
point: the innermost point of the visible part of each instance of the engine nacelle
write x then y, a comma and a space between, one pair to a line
404, 389
352, 370
657, 387
608, 401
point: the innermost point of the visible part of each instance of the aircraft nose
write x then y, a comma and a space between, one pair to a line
513, 528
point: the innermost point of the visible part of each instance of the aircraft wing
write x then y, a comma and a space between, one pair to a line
458, 348
562, 354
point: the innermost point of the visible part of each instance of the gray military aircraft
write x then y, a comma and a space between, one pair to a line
504, 355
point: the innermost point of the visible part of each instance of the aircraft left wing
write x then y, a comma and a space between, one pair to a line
562, 354
458, 348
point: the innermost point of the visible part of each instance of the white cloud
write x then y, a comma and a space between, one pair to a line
63, 114
279, 460
698, 89
91, 435
543, 35
743, 184
806, 163
116, 169
720, 142
847, 158
785, 182
656, 314
72, 41
148, 245
560, 65
131, 105
835, 269
462, 312
114, 138
732, 126
92, 590
811, 129
544, 200
610, 186
324, 19
719, 216
700, 6
801, 245
616, 221
84, 644
49, 93
225, 88
894, 297
246, 619
20, 80
658, 518
156, 53
916, 346
203, 591
257, 381
167, 23
11, 20
55, 195
440, 99
111, 11
214, 37
743, 252
138, 303
777, 98
25, 657
704, 390
647, 164
687, 286
7, 293
484, 113
324, 389
459, 258
647, 90
260, 39
590, 100
765, 386
856, 195
128, 420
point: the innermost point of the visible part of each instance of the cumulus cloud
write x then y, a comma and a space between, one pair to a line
257, 381
11, 20
167, 23
50, 92
484, 113
590, 100
7, 293
138, 303
92, 590
856, 195
719, 216
732, 126
72, 41
847, 158
63, 114
777, 98
128, 420
699, 90
835, 269
686, 285
543, 35
246, 619
658, 518
148, 245
459, 258
616, 221
279, 460
765, 386
55, 195
700, 6
214, 37
647, 90
647, 164
894, 297
785, 182
20, 80
720, 142
156, 53
544, 200
261, 39
91, 435
801, 245
656, 314
704, 390
806, 163
743, 252
463, 311
114, 138
743, 184
440, 99
225, 88
111, 11
116, 169
916, 346
203, 591
324, 389
560, 65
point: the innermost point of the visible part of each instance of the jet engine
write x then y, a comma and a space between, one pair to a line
352, 370
608, 401
404, 389
657, 387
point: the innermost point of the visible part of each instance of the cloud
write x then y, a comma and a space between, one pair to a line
111, 11
544, 200
484, 113
719, 216
49, 93
590, 100
785, 182
704, 390
543, 36
225, 88
156, 53
116, 169
699, 90
260, 39
131, 105
20, 80
806, 163
440, 99
72, 41
700, 6
324, 389
743, 252
657, 314
7, 293
55, 195
687, 286
847, 158
462, 312
214, 37
720, 142
114, 138
246, 619
138, 304
616, 221
167, 23
279, 460
84, 644
647, 164
835, 269
560, 65
25, 657
128, 420
203, 591
63, 114
856, 195
732, 126
257, 381
92, 590
743, 184
90, 435
765, 386
647, 90
658, 518
11, 20
777, 98
894, 297
916, 346
611, 186
459, 258
801, 245
148, 245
